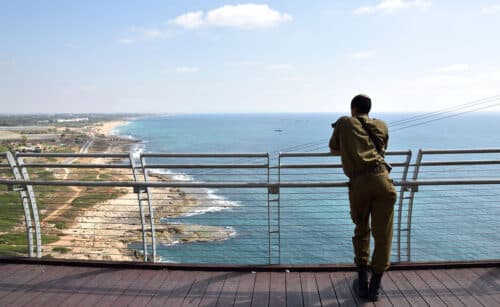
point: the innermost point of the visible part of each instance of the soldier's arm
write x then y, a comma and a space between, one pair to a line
334, 143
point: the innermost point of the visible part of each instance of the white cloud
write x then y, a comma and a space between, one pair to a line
187, 69
389, 6
452, 68
191, 20
244, 16
492, 9
364, 54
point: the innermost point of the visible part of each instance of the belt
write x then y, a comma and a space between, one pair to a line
375, 169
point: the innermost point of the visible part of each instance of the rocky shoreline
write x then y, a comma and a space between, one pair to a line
107, 230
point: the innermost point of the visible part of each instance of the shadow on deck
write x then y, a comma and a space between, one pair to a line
62, 285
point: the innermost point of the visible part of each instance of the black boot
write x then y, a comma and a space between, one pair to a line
360, 284
375, 287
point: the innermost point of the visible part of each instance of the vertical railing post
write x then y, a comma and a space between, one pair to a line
269, 249
150, 207
34, 207
24, 200
279, 208
138, 191
402, 191
414, 189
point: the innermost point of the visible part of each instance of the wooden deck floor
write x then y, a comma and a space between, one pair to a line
45, 285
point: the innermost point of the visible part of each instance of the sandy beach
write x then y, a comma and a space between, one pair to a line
108, 127
106, 230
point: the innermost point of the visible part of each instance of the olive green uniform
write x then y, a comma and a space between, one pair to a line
371, 191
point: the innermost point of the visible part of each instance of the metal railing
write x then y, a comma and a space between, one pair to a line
237, 208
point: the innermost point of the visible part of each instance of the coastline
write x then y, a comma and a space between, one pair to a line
109, 128
97, 240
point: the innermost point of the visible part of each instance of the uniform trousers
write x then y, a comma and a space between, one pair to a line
372, 197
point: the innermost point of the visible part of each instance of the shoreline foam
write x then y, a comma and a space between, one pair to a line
116, 243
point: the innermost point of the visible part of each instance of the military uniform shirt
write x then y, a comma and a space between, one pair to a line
357, 150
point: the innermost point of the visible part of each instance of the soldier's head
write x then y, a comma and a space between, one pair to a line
360, 105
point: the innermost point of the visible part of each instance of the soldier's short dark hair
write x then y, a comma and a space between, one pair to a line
362, 103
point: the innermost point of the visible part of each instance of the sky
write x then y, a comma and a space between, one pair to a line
203, 56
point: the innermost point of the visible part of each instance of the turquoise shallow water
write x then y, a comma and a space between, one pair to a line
448, 223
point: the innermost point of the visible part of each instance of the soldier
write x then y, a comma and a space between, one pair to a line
361, 142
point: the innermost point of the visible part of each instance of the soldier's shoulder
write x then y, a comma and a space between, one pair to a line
343, 120
379, 122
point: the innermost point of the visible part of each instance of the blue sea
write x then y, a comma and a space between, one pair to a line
312, 225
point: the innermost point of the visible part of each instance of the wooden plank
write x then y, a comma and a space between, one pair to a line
19, 279
118, 288
310, 292
456, 289
326, 291
152, 291
344, 295
496, 272
293, 289
20, 282
277, 289
261, 289
492, 283
229, 289
40, 288
137, 286
199, 287
213, 290
439, 288
472, 282
423, 289
6, 270
103, 288
167, 287
406, 288
62, 285
53, 286
67, 288
245, 290
90, 287
392, 292
349, 279
10, 271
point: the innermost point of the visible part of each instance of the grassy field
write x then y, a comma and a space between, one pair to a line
13, 238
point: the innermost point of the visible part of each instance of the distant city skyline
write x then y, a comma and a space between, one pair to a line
166, 57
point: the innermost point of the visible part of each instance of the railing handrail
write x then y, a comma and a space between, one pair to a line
72, 155
328, 154
460, 151
203, 155
282, 184
271, 185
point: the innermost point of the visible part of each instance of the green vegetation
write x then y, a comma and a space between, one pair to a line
60, 225
88, 199
12, 244
11, 210
61, 249
88, 175
49, 119
105, 177
91, 199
